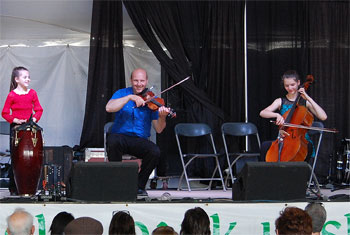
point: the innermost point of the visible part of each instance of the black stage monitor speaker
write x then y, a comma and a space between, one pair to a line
271, 181
104, 181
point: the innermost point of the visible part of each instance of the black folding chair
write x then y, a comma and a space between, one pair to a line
238, 129
106, 130
196, 130
5, 130
315, 134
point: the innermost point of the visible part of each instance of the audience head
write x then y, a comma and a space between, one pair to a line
164, 230
60, 221
122, 223
196, 221
293, 220
318, 215
20, 223
84, 225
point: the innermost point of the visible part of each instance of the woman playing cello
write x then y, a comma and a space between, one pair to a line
280, 106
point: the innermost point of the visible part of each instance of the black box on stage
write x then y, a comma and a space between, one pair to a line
104, 181
271, 181
61, 156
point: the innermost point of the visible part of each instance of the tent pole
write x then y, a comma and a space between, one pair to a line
245, 73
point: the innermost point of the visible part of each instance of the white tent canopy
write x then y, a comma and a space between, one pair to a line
51, 38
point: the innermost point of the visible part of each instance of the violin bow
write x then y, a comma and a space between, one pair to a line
171, 87
333, 130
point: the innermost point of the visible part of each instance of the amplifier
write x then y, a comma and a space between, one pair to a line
53, 180
60, 156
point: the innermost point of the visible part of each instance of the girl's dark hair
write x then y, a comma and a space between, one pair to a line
196, 221
290, 74
15, 73
122, 223
60, 222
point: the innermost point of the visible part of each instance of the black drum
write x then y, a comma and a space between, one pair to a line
27, 157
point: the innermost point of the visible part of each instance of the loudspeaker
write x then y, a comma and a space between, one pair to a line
271, 181
104, 181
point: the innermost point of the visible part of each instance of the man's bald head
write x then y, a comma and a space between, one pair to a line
20, 223
139, 72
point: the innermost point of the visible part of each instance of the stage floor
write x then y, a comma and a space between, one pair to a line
198, 192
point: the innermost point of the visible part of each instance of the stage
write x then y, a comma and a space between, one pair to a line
328, 193
167, 206
199, 194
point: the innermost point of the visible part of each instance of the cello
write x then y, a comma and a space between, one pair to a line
293, 146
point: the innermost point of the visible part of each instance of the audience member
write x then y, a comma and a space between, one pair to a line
196, 221
318, 215
293, 220
20, 223
122, 223
60, 221
164, 230
84, 225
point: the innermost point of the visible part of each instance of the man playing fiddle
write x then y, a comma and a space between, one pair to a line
132, 126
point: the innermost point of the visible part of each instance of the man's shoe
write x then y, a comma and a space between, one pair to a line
142, 192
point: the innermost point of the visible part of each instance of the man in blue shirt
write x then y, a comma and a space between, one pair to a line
132, 126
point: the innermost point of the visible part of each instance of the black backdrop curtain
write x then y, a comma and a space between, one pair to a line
203, 39
311, 37
106, 69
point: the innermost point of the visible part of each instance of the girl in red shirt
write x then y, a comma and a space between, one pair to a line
21, 101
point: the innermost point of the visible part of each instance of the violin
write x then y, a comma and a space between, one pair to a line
293, 147
154, 102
